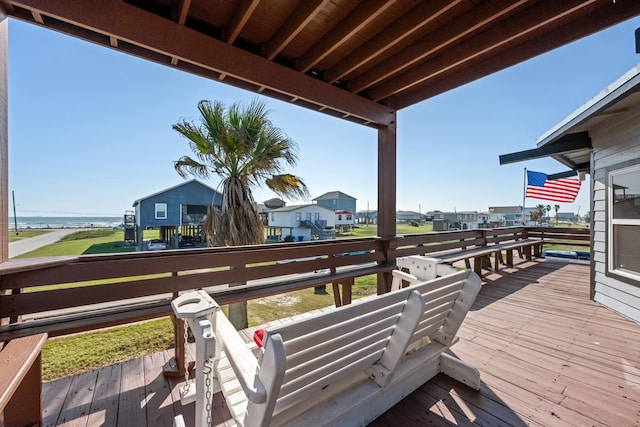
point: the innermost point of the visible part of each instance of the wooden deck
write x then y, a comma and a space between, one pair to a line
547, 355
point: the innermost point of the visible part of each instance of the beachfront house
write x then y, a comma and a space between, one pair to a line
601, 138
178, 209
302, 223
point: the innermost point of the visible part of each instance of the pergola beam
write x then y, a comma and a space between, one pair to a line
493, 39
301, 16
342, 32
239, 20
160, 39
422, 15
436, 41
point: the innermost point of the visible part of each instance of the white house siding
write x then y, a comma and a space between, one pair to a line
285, 218
616, 142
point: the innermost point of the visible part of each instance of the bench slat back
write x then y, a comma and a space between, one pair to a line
332, 351
447, 301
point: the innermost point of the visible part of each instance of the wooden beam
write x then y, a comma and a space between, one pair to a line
4, 138
386, 222
566, 144
296, 22
239, 20
597, 19
183, 11
162, 36
341, 33
414, 21
436, 41
535, 18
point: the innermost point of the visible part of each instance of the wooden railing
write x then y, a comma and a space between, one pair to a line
63, 295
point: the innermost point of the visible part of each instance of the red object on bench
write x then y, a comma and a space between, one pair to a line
258, 336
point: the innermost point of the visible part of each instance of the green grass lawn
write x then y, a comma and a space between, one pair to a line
371, 230
84, 242
25, 234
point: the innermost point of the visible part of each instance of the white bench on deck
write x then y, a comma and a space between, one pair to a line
342, 367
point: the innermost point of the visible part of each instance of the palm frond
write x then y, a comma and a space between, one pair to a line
288, 186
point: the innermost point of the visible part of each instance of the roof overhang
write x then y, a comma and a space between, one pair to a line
360, 61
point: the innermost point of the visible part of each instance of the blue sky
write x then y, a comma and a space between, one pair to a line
90, 128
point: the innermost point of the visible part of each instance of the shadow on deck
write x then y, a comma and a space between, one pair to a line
546, 353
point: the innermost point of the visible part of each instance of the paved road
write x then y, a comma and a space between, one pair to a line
23, 246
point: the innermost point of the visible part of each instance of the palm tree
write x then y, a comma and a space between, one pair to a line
557, 208
246, 150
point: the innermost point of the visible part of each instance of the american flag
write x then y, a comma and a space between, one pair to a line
557, 190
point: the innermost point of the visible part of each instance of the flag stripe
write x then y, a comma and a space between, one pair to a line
557, 190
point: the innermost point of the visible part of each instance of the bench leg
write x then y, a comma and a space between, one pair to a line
467, 263
477, 265
510, 257
527, 252
460, 370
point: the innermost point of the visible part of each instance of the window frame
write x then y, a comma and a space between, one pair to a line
156, 210
630, 277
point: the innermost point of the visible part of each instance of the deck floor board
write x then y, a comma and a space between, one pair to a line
547, 356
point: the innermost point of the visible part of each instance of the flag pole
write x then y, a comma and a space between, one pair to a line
524, 194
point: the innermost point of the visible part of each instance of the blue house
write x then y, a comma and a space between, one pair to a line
181, 208
337, 201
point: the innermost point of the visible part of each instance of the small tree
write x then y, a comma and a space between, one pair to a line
246, 150
557, 208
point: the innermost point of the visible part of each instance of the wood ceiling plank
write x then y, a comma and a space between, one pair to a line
409, 24
163, 37
183, 11
521, 26
442, 38
239, 20
364, 14
300, 17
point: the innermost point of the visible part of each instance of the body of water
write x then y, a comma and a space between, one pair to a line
66, 222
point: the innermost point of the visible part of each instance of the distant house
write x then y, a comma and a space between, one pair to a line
566, 217
343, 205
302, 222
182, 207
266, 206
408, 216
345, 221
513, 215
367, 217
463, 220
337, 201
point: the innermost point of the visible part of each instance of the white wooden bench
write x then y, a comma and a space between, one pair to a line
343, 367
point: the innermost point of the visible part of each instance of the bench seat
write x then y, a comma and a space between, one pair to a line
343, 367
480, 255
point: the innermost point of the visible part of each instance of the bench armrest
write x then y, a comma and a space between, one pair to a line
244, 363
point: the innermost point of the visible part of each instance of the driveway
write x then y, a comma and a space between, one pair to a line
23, 246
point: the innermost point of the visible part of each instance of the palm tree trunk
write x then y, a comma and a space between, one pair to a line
238, 315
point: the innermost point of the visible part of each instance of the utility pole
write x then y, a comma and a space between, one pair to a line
15, 218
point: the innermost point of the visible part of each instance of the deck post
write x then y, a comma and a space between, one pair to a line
176, 366
387, 197
4, 137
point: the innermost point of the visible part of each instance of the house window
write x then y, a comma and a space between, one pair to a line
298, 216
161, 211
624, 222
